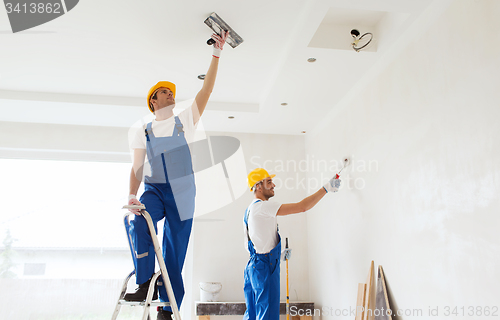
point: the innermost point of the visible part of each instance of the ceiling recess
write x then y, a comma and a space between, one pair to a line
334, 32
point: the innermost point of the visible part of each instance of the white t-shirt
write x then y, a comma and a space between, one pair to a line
164, 128
262, 225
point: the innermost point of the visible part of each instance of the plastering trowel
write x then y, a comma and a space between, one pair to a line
217, 25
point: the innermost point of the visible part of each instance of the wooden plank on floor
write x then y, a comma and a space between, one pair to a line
368, 313
360, 301
238, 308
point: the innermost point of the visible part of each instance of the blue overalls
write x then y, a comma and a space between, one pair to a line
262, 281
168, 193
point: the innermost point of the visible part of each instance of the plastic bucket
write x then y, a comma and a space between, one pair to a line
209, 291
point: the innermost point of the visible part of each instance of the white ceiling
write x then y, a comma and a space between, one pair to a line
95, 64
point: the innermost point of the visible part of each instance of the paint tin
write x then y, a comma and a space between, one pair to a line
209, 291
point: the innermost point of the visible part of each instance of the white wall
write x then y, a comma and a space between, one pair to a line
428, 211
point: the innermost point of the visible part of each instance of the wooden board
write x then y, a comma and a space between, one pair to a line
238, 308
382, 299
368, 315
360, 301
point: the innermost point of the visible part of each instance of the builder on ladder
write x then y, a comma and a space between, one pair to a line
169, 192
262, 273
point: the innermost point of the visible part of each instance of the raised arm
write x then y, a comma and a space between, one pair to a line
205, 92
302, 206
202, 97
310, 201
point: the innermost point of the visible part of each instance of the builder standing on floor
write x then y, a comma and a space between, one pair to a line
169, 191
262, 273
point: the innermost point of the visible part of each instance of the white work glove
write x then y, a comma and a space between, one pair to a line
333, 185
286, 254
219, 42
132, 200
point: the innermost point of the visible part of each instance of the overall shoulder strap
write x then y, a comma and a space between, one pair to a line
149, 130
247, 212
179, 128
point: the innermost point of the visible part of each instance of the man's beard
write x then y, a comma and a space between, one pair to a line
268, 194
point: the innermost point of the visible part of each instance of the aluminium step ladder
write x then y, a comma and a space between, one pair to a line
148, 303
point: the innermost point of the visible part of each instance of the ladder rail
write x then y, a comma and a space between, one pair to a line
122, 294
163, 272
163, 267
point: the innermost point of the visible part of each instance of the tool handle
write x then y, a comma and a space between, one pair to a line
286, 245
212, 41
134, 206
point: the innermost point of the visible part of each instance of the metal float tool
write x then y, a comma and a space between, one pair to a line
217, 25
163, 272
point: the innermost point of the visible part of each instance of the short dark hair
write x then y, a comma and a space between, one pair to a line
155, 98
254, 188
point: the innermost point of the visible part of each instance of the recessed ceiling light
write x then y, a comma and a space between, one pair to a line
284, 104
201, 77
230, 117
311, 60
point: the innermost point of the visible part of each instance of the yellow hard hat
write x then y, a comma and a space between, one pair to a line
165, 84
258, 175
